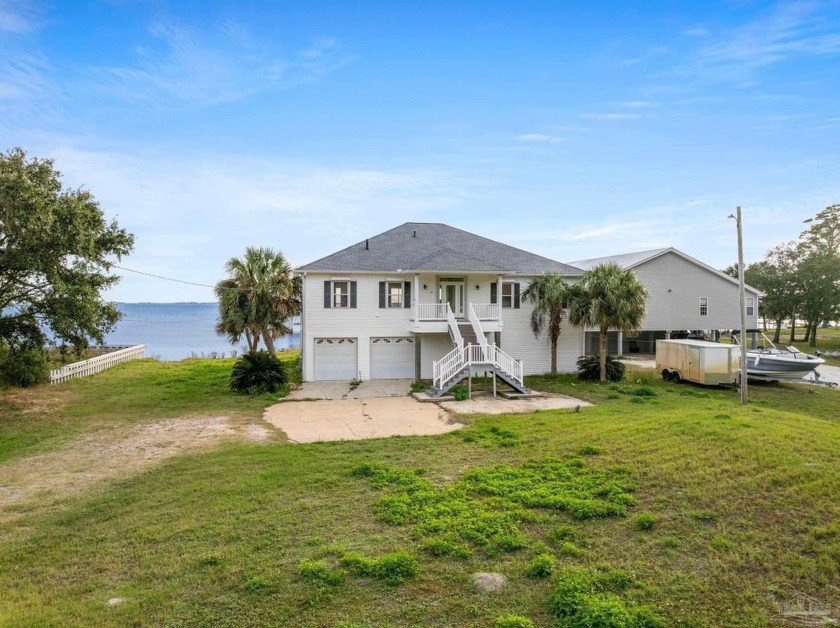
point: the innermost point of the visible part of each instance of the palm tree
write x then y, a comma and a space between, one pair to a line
608, 297
548, 294
258, 298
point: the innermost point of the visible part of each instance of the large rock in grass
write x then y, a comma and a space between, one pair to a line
488, 582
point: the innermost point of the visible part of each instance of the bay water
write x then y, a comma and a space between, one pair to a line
174, 331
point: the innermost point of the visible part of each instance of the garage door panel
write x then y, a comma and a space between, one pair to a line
391, 358
336, 359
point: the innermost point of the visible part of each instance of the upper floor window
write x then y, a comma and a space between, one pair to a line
704, 306
395, 294
507, 295
750, 306
339, 293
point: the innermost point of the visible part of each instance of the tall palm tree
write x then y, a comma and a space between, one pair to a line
548, 294
258, 298
608, 297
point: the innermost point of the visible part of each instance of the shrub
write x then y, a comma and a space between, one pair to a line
319, 573
645, 521
258, 372
461, 393
541, 566
418, 387
514, 621
396, 568
589, 368
23, 366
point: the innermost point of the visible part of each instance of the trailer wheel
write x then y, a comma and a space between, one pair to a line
666, 375
675, 377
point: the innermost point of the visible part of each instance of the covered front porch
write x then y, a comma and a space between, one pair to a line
467, 298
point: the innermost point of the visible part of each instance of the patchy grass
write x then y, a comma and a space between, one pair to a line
140, 391
259, 534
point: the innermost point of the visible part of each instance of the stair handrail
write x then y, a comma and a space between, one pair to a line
509, 364
448, 366
453, 327
476, 325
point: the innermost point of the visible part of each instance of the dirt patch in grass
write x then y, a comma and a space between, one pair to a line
109, 453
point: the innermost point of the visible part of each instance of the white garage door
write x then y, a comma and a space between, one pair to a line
391, 358
336, 359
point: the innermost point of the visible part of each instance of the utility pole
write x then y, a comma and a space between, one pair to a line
743, 334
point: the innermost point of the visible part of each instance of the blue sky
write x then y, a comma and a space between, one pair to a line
569, 129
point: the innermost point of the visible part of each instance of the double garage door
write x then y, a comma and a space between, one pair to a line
338, 358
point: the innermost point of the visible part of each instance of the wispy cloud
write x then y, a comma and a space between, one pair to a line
609, 117
791, 29
204, 68
539, 138
18, 17
639, 104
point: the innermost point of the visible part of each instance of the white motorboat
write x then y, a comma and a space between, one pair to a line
767, 361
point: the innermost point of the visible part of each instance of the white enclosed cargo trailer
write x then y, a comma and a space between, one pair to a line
699, 361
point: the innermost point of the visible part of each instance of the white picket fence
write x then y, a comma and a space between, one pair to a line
97, 364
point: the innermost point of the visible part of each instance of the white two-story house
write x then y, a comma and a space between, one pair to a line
402, 303
683, 294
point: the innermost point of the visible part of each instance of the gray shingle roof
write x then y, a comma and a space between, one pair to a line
627, 260
416, 246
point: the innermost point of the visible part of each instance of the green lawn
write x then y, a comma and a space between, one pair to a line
743, 502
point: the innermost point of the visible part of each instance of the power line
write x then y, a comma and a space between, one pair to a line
140, 272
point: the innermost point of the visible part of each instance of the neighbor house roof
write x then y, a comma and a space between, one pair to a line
423, 246
631, 260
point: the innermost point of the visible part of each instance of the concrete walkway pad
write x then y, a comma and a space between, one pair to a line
356, 419
488, 405
372, 388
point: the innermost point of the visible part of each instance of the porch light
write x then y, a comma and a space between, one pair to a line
476, 286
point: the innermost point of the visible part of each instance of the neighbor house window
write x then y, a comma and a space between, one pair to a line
750, 306
704, 306
395, 294
341, 294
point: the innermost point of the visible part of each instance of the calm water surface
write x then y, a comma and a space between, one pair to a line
174, 331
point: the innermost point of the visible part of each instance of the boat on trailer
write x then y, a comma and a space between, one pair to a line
767, 361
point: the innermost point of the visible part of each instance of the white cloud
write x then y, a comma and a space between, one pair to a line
539, 137
18, 17
205, 68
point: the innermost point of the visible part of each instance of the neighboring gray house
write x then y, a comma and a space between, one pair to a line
400, 304
685, 294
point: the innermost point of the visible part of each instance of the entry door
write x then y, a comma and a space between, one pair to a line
694, 364
452, 292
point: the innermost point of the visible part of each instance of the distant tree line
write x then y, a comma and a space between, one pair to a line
801, 278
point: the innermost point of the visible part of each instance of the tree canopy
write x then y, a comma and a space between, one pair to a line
56, 251
548, 294
608, 297
258, 298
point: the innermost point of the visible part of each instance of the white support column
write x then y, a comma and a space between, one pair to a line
620, 341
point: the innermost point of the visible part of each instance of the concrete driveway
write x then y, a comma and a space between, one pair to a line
328, 411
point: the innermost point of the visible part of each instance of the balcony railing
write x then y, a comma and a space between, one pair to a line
437, 311
433, 311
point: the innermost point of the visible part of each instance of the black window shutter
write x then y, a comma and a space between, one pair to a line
327, 293
494, 292
516, 295
352, 294
407, 295
381, 294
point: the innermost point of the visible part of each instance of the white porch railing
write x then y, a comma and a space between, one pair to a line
433, 311
458, 359
453, 327
487, 311
476, 325
97, 364
446, 367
